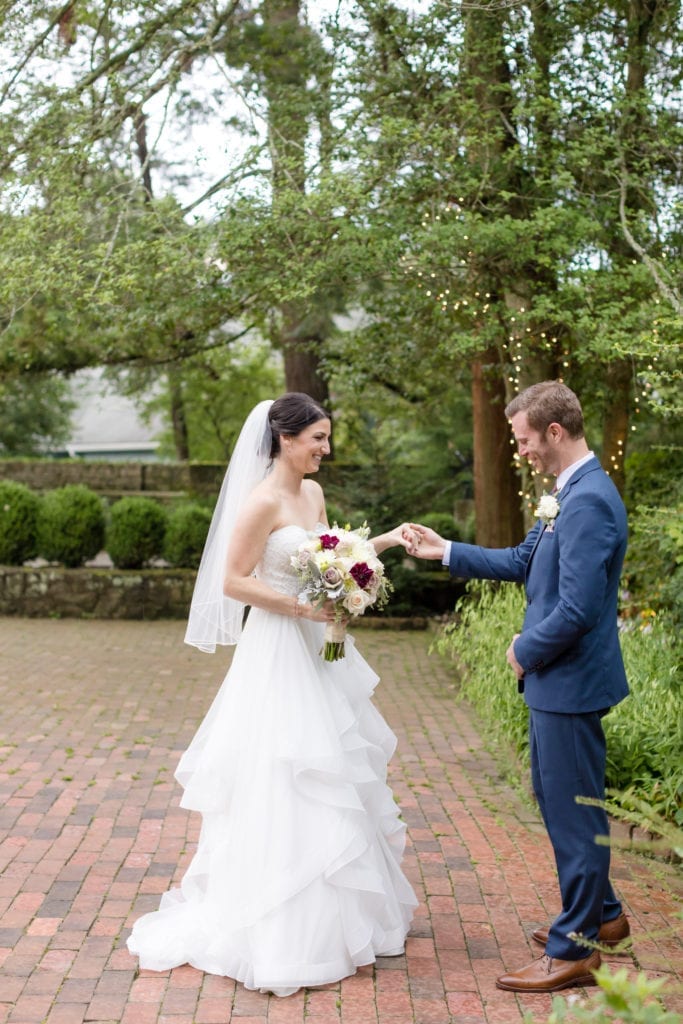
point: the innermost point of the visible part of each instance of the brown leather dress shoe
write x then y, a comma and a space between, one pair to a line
611, 933
549, 975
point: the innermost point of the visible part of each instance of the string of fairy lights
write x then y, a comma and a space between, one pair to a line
520, 339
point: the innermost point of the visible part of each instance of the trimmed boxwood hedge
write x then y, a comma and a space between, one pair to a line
135, 532
70, 525
188, 526
18, 523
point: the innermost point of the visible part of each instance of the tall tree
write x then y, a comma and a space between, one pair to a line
287, 60
35, 414
643, 22
498, 126
465, 181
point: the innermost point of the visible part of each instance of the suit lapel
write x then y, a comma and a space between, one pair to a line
588, 467
536, 543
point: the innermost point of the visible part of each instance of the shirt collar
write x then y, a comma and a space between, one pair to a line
568, 473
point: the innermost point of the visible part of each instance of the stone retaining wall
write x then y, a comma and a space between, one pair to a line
96, 593
201, 478
56, 592
174, 479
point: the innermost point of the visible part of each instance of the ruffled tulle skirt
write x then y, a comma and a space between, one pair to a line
296, 880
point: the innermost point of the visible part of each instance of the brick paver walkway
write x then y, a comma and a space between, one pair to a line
94, 718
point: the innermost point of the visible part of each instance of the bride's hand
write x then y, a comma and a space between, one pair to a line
425, 542
325, 613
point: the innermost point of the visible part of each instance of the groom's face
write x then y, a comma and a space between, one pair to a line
534, 446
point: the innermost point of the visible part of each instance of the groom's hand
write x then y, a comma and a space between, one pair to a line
425, 542
512, 660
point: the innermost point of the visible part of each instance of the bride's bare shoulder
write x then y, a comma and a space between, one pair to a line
262, 505
315, 498
311, 487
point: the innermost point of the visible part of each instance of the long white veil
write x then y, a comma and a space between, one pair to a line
215, 618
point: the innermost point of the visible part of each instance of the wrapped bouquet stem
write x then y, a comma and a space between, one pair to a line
340, 565
335, 635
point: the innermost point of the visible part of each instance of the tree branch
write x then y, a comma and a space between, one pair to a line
669, 292
54, 21
117, 59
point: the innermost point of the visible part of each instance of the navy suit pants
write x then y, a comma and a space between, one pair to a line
568, 760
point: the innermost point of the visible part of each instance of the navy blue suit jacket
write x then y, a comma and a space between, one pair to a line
569, 644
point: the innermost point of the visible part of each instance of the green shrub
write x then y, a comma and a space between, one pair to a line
486, 620
70, 525
620, 999
335, 514
135, 532
420, 587
186, 533
18, 519
653, 476
653, 570
444, 524
644, 732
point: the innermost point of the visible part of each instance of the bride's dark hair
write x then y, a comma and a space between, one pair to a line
290, 414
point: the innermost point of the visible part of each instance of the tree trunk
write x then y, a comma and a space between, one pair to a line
496, 487
640, 22
289, 106
178, 420
143, 153
181, 437
616, 421
301, 367
493, 150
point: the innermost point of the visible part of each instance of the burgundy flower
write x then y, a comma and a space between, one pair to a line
328, 541
362, 574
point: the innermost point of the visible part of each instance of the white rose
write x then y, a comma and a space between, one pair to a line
357, 601
547, 508
301, 559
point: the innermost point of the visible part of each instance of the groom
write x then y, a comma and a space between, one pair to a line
568, 663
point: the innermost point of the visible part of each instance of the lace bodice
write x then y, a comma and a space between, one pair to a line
275, 567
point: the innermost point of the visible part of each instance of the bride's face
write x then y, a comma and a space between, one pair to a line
308, 448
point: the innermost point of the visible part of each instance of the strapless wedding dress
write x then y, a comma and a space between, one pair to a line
297, 879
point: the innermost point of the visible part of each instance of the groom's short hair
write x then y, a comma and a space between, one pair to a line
551, 401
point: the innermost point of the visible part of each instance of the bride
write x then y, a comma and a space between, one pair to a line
296, 880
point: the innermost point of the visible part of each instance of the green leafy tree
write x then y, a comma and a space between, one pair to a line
35, 414
488, 191
214, 392
497, 220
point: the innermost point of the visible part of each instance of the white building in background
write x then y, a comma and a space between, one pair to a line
106, 424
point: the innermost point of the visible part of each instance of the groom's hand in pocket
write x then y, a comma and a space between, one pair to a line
512, 660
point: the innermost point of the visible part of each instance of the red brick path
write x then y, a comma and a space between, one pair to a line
94, 718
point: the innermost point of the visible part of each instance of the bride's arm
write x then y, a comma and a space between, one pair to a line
246, 548
400, 535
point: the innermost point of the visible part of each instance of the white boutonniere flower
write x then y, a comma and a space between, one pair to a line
547, 511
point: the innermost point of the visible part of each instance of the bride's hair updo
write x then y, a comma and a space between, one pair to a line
290, 414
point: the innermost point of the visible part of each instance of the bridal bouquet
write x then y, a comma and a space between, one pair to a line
340, 565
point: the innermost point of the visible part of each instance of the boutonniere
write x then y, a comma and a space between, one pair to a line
547, 510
